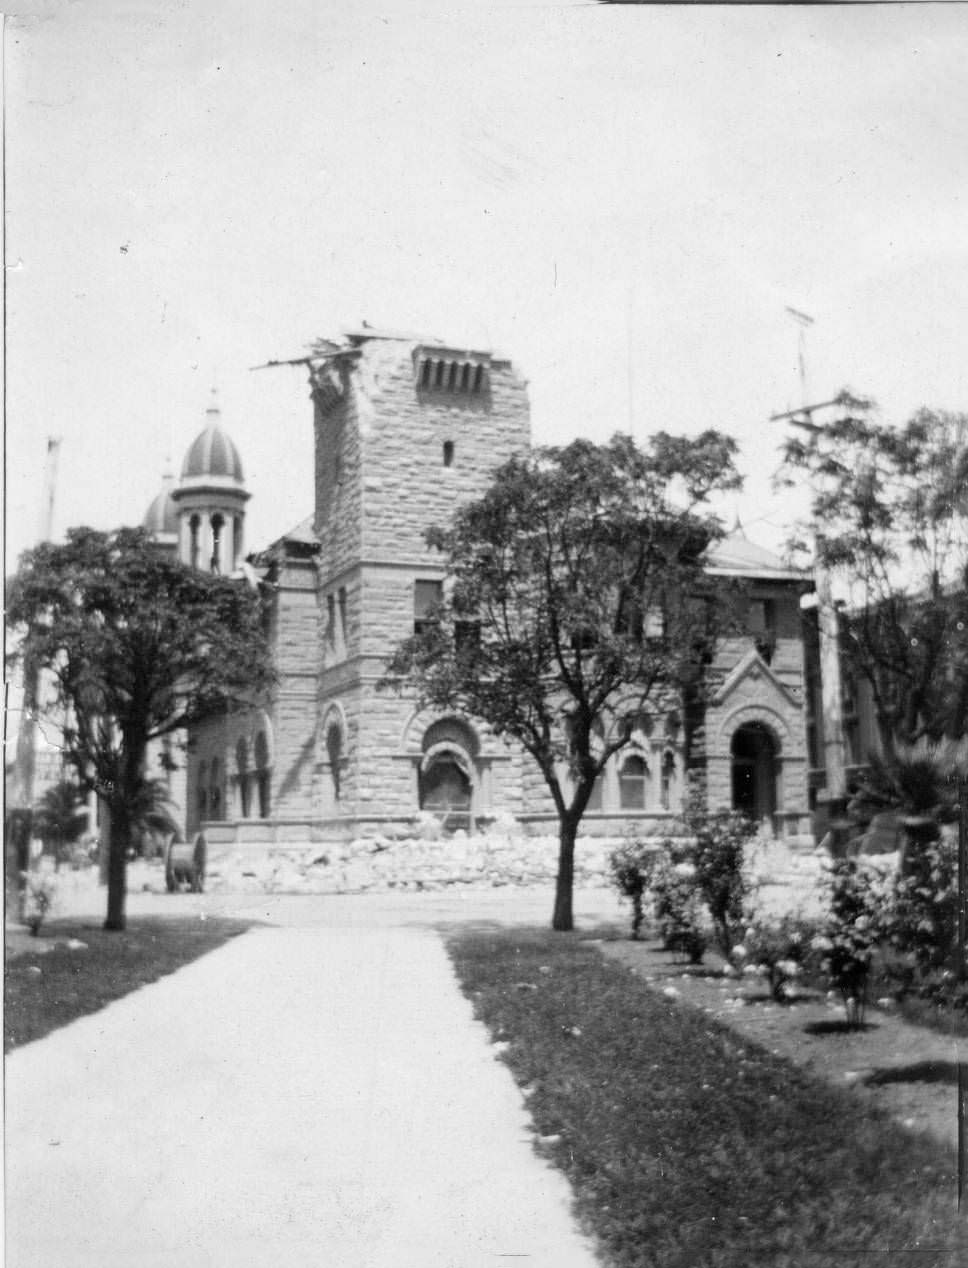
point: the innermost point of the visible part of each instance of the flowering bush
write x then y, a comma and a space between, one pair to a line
775, 950
633, 866
40, 890
679, 910
721, 841
922, 922
850, 933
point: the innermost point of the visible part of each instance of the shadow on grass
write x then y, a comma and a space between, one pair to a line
917, 1072
75, 967
745, 1160
840, 1026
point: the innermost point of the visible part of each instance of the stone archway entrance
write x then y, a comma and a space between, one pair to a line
445, 791
755, 771
447, 775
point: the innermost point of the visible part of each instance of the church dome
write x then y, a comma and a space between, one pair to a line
161, 516
212, 453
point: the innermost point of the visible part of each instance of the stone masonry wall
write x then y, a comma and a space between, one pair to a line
294, 705
381, 481
406, 486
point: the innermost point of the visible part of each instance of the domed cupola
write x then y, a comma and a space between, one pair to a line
161, 517
210, 499
212, 454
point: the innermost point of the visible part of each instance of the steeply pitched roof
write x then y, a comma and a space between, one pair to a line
736, 556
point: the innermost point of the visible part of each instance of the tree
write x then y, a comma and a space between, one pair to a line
137, 646
577, 602
890, 510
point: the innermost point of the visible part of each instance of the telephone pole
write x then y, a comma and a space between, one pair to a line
18, 815
828, 621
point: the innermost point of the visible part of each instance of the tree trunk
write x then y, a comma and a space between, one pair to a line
117, 866
563, 919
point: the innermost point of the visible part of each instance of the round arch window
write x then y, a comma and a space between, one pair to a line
631, 783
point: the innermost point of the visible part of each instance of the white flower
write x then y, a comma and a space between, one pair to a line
740, 953
789, 968
686, 870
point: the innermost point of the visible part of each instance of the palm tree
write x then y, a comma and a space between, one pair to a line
919, 783
152, 814
60, 818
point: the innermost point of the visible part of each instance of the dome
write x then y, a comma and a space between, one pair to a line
161, 516
212, 453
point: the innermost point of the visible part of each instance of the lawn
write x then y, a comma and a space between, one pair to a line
687, 1146
50, 980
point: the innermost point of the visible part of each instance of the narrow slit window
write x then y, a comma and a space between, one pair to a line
448, 453
426, 597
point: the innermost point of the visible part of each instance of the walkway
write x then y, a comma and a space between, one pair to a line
316, 1092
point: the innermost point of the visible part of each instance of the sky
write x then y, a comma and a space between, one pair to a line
625, 200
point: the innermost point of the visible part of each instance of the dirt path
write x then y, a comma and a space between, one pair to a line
909, 1071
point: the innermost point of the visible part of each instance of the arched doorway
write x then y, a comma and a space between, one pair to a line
447, 773
755, 768
445, 791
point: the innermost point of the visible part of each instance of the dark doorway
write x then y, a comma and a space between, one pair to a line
755, 772
445, 791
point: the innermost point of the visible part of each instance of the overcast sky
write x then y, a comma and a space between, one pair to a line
623, 199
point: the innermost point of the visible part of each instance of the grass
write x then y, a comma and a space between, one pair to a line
48, 984
688, 1147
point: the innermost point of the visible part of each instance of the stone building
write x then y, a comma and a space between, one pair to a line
406, 429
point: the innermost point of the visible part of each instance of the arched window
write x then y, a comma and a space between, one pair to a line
215, 790
334, 752
202, 791
242, 768
193, 543
668, 775
631, 783
218, 523
263, 774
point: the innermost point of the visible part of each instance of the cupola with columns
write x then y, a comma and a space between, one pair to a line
210, 499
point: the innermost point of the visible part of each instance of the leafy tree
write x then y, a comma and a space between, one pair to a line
890, 506
137, 646
578, 601
60, 816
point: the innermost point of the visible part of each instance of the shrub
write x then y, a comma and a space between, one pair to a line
632, 866
923, 912
850, 934
678, 907
720, 844
40, 890
775, 950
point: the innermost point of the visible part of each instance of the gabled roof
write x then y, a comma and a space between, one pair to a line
299, 540
736, 556
752, 666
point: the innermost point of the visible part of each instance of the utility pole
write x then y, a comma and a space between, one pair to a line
828, 621
962, 973
18, 828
